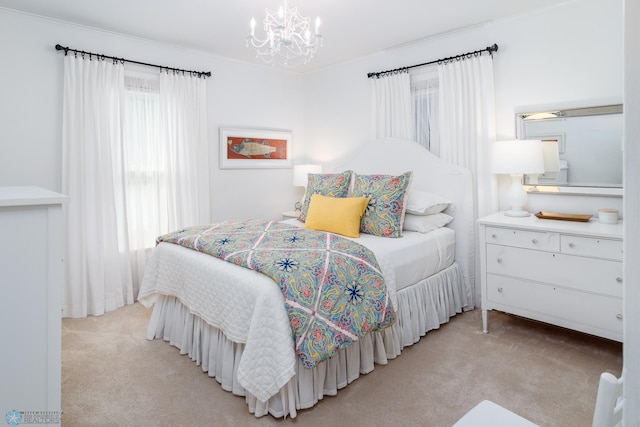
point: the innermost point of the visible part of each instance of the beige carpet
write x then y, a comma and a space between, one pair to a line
113, 376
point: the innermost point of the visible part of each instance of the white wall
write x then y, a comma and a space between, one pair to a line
631, 355
569, 55
240, 95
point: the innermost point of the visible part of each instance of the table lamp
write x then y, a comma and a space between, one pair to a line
301, 177
301, 174
517, 158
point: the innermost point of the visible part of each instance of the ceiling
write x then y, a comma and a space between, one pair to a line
351, 28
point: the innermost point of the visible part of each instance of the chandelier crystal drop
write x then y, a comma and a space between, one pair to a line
288, 39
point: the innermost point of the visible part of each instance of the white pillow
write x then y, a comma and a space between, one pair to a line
423, 203
425, 223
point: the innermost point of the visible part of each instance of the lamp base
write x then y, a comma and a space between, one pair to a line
515, 213
517, 197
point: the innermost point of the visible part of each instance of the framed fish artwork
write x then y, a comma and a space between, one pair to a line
254, 148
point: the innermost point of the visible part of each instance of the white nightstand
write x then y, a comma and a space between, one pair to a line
561, 272
290, 214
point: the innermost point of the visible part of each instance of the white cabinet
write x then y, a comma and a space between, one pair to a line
30, 319
560, 272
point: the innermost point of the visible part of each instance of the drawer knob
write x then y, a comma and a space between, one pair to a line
499, 260
500, 290
534, 241
619, 316
572, 245
494, 236
619, 279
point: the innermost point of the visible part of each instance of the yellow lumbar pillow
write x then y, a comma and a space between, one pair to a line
339, 215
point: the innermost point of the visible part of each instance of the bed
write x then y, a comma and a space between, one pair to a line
231, 320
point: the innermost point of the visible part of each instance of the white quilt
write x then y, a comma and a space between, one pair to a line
246, 305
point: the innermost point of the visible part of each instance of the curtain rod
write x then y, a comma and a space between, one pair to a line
100, 56
490, 49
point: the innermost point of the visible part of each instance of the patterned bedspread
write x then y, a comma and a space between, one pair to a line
333, 288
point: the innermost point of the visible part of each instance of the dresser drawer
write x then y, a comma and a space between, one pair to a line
591, 247
523, 238
565, 307
568, 271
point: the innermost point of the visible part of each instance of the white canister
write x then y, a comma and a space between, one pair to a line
608, 216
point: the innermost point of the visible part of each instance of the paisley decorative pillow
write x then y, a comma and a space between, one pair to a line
387, 195
330, 185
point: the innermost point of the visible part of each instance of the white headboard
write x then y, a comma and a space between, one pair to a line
430, 173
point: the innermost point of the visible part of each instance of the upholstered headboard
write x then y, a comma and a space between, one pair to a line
432, 174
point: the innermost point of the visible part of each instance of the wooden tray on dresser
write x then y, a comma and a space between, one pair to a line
563, 216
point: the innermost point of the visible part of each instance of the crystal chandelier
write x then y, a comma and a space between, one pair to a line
288, 40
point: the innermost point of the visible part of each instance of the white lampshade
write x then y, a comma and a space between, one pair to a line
519, 157
301, 172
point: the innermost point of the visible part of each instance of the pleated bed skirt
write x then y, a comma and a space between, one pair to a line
422, 307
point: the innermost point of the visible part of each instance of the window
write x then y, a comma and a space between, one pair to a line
146, 166
424, 96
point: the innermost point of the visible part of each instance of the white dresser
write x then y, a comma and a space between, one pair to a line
560, 272
31, 279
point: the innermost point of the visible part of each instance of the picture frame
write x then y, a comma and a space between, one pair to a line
247, 148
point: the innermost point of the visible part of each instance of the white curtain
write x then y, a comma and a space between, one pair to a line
135, 166
166, 159
467, 132
467, 124
453, 117
183, 105
392, 116
96, 261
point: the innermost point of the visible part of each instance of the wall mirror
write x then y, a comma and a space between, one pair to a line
589, 149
